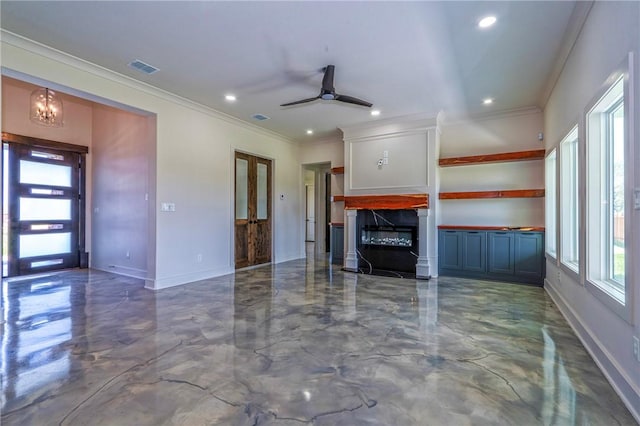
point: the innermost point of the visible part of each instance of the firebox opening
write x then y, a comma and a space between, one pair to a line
387, 241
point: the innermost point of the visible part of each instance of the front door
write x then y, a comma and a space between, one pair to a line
252, 210
43, 190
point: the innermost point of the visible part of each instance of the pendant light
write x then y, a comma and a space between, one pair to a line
46, 108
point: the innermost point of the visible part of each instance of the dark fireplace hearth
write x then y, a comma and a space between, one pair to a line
388, 242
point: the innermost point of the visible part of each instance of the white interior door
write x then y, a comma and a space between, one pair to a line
311, 215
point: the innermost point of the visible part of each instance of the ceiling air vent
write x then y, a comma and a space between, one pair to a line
143, 67
259, 117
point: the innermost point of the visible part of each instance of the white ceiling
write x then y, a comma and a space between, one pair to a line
405, 57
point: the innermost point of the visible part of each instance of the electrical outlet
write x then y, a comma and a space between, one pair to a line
636, 348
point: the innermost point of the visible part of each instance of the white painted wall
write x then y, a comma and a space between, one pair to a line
120, 211
611, 31
410, 161
192, 168
517, 131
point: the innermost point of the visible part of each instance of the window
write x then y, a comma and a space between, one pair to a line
605, 193
569, 202
550, 203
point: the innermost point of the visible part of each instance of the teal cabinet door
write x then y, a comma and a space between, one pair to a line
529, 254
501, 253
450, 248
337, 245
474, 251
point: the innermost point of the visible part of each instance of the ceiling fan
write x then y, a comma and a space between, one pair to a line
328, 92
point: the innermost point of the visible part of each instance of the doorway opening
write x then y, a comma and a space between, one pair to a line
317, 213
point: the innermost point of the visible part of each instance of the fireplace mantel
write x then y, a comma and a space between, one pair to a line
386, 202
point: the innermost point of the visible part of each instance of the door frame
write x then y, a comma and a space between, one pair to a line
322, 219
82, 151
232, 206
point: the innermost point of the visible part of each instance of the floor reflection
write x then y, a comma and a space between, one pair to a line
294, 343
42, 316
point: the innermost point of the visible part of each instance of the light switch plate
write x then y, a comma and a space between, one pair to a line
168, 207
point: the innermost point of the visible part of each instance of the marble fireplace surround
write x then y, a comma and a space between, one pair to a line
418, 202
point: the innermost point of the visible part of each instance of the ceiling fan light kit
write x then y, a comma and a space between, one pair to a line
328, 92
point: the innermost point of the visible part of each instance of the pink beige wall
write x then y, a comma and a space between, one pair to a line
15, 115
120, 189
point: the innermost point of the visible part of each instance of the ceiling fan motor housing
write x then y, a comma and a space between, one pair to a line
328, 92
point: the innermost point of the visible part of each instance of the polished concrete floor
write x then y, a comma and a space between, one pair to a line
290, 344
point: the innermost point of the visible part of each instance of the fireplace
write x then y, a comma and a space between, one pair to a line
387, 235
388, 241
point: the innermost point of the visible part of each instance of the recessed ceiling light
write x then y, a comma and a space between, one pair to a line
375, 112
487, 101
487, 21
309, 132
230, 97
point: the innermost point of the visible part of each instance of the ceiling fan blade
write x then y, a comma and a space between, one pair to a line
352, 100
303, 101
327, 80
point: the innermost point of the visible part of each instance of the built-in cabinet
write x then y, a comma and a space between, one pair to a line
504, 255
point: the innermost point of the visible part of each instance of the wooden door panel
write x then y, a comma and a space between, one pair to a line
253, 221
241, 247
263, 242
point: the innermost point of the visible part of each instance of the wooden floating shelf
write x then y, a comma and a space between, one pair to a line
492, 228
337, 170
493, 158
337, 198
514, 193
387, 202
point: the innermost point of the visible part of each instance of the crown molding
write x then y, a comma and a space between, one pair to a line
324, 141
449, 119
390, 127
48, 52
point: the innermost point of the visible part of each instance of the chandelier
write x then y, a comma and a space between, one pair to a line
46, 108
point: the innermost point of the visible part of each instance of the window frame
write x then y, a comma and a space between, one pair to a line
594, 227
570, 176
551, 205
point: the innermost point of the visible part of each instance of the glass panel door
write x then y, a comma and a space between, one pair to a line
262, 191
42, 193
242, 197
252, 243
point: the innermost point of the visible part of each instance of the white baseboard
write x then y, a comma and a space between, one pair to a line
122, 270
172, 281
